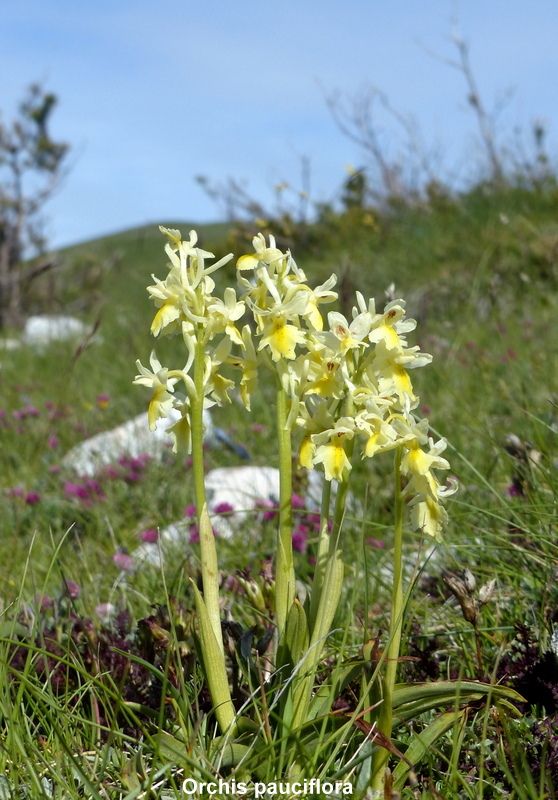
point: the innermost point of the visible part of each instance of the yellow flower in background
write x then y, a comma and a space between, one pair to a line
325, 378
216, 385
391, 326
342, 335
181, 431
249, 366
307, 452
162, 389
417, 462
281, 337
330, 449
224, 313
390, 366
381, 436
428, 516
263, 255
427, 512
321, 294
168, 296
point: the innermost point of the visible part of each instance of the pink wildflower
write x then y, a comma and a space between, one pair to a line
298, 502
377, 544
300, 539
132, 476
123, 561
270, 507
32, 498
76, 490
72, 589
44, 601
223, 508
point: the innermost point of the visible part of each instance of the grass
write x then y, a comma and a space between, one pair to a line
116, 707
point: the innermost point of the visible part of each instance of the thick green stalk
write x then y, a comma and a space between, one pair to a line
385, 721
208, 608
214, 667
322, 556
285, 576
329, 600
209, 565
328, 543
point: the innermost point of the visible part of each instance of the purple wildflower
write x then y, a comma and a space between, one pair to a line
53, 442
94, 487
72, 589
44, 601
298, 502
32, 498
313, 520
123, 561
377, 544
140, 462
150, 536
132, 476
223, 508
190, 510
300, 540
268, 506
76, 490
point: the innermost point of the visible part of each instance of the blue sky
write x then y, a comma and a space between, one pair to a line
154, 93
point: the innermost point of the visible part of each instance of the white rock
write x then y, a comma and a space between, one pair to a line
240, 487
243, 488
43, 329
132, 438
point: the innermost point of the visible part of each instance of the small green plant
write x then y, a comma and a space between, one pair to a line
348, 389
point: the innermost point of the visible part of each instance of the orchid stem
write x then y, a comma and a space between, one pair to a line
285, 576
385, 721
208, 551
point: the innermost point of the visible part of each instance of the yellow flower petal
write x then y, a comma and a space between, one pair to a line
334, 459
166, 315
307, 451
247, 262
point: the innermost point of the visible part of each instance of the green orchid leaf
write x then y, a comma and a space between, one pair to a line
422, 742
409, 701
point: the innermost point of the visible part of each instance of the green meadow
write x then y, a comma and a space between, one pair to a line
103, 689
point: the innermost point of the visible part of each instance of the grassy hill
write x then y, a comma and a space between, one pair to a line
480, 274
